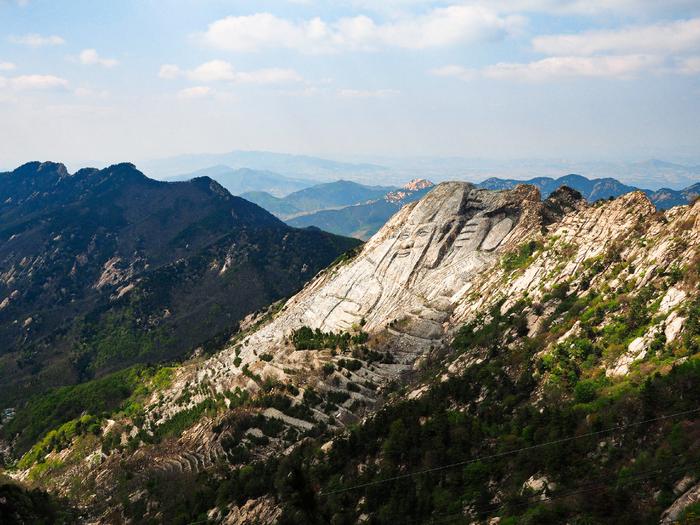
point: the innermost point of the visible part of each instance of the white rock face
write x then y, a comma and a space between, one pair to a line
673, 298
674, 325
538, 484
432, 268
636, 350
690, 497
409, 277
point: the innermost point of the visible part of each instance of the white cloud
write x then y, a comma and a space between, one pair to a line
222, 71
358, 93
195, 92
688, 65
555, 68
632, 8
626, 52
90, 57
7, 66
622, 66
36, 82
454, 71
37, 40
84, 92
663, 38
268, 76
439, 27
169, 71
212, 71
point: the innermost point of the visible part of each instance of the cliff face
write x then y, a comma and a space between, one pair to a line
493, 306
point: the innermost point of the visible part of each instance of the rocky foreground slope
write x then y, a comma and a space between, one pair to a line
485, 356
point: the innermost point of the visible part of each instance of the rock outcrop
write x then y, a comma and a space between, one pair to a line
408, 281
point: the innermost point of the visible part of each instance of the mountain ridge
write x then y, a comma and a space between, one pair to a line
113, 246
594, 189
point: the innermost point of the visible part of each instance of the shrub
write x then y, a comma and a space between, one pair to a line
585, 391
350, 364
520, 258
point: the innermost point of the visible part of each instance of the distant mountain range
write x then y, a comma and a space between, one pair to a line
337, 194
245, 180
594, 189
348, 208
102, 269
652, 173
296, 166
364, 220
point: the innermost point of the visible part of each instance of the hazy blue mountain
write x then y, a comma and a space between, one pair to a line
653, 174
363, 220
320, 197
278, 206
243, 180
301, 166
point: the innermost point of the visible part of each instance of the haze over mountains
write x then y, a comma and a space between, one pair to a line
319, 197
596, 189
242, 180
651, 174
363, 219
357, 210
301, 166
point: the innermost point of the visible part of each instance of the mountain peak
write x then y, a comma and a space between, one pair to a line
210, 185
418, 184
42, 168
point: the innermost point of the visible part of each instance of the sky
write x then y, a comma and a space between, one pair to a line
125, 80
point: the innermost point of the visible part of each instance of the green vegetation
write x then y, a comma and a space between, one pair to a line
59, 439
184, 419
53, 409
428, 432
59, 414
19, 506
350, 364
117, 337
522, 257
305, 338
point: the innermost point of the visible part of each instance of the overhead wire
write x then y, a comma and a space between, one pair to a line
504, 453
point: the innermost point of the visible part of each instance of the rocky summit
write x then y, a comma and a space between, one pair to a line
486, 357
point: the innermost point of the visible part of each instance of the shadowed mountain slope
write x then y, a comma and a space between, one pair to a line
104, 268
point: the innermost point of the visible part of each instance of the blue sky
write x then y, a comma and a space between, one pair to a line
86, 81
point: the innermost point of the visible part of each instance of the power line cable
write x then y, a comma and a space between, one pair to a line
582, 489
506, 453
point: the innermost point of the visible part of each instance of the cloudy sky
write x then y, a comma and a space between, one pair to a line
113, 80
